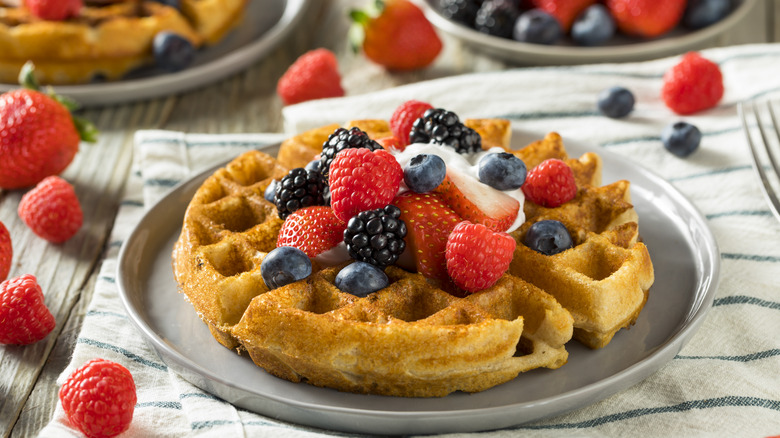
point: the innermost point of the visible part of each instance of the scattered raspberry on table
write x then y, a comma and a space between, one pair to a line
314, 75
24, 317
692, 85
52, 210
99, 398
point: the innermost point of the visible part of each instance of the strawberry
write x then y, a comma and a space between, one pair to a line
565, 11
6, 252
429, 222
52, 210
314, 75
396, 35
476, 256
478, 202
646, 18
692, 85
54, 10
24, 317
313, 230
550, 184
361, 179
99, 398
391, 143
404, 117
38, 136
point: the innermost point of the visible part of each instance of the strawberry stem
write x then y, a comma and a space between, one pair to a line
87, 131
27, 77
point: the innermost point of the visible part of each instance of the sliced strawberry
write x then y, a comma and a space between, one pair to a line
478, 202
313, 230
429, 222
391, 143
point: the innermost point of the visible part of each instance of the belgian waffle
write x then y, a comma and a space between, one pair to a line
107, 39
604, 280
409, 339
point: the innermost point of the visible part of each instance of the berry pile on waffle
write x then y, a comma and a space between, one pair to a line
104, 39
445, 262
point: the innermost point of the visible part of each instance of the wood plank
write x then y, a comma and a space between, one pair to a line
98, 173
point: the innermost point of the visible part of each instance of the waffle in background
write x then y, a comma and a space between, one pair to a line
105, 41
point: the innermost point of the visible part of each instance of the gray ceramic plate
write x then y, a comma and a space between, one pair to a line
265, 24
619, 49
686, 261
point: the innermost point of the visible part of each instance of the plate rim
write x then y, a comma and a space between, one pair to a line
383, 421
123, 91
559, 54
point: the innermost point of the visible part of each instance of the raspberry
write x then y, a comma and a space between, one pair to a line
693, 85
6, 252
363, 180
314, 75
476, 256
54, 10
404, 117
24, 318
99, 398
52, 210
550, 184
313, 230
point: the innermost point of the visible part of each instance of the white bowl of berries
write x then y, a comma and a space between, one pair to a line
547, 32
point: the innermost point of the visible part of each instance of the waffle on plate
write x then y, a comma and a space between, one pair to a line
410, 338
107, 39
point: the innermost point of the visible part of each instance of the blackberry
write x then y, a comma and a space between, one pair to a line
444, 127
462, 11
376, 236
497, 18
342, 139
299, 188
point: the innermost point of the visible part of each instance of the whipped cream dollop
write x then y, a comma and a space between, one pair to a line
465, 165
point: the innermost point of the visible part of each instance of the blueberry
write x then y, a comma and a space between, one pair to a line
424, 173
616, 102
702, 13
176, 4
172, 52
361, 279
593, 27
681, 138
502, 171
538, 27
548, 237
270, 191
313, 165
284, 265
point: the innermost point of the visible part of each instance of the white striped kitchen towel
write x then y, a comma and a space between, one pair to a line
725, 382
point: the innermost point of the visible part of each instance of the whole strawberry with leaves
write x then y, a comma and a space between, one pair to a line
395, 34
38, 134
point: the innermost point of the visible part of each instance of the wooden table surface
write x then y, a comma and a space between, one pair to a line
245, 102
